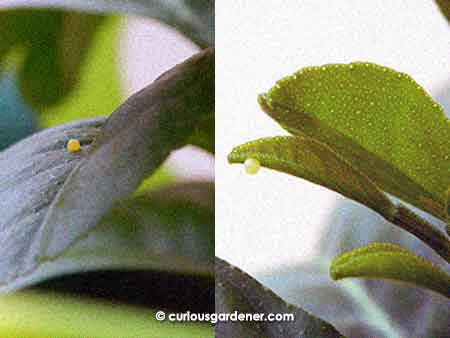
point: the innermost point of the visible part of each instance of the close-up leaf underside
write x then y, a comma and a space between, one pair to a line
50, 198
316, 162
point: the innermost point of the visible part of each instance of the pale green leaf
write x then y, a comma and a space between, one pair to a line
41, 315
379, 120
388, 261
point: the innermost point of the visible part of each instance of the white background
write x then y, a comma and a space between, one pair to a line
271, 220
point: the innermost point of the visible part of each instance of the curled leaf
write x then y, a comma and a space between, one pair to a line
379, 120
51, 198
316, 162
134, 142
387, 261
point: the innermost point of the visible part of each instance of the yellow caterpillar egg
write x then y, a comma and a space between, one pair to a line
252, 166
73, 146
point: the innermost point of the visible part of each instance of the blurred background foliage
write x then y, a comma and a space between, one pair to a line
60, 65
51, 59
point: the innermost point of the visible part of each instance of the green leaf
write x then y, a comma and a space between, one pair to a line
31, 174
170, 229
379, 120
444, 7
42, 315
203, 135
51, 199
98, 90
447, 209
387, 261
237, 291
194, 18
55, 45
316, 162
135, 141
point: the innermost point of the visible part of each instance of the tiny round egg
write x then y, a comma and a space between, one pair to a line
73, 146
252, 166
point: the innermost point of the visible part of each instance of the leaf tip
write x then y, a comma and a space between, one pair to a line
232, 156
264, 102
334, 271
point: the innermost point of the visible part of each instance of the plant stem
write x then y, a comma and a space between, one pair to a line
422, 229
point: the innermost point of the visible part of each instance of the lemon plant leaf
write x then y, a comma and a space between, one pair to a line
51, 198
379, 120
388, 261
237, 291
31, 174
170, 229
316, 162
134, 142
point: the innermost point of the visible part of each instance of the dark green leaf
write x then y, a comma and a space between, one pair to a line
51, 199
444, 6
31, 174
194, 18
134, 142
55, 46
237, 291
388, 261
203, 135
170, 229
379, 120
